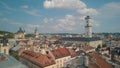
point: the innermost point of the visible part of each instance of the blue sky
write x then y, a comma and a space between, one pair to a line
59, 16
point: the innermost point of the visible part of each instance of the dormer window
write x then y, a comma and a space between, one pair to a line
47, 52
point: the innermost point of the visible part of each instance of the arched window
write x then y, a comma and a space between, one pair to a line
5, 51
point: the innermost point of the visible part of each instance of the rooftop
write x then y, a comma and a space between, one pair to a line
76, 63
61, 52
16, 48
37, 58
7, 61
99, 61
20, 30
24, 41
84, 39
116, 39
72, 53
87, 48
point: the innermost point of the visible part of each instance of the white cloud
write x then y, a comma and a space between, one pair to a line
24, 6
110, 10
47, 20
94, 23
4, 5
33, 12
69, 23
76, 5
88, 11
64, 4
6, 20
31, 27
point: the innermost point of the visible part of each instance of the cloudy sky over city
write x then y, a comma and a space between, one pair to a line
59, 16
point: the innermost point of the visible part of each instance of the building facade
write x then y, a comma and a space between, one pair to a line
4, 46
37, 60
88, 27
62, 56
20, 34
82, 41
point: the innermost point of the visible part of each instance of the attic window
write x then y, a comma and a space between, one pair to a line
47, 52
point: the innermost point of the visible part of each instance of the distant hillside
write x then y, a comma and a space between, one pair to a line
9, 34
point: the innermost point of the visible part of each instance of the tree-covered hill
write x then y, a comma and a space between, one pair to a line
9, 34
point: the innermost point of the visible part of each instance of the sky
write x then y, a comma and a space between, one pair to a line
59, 16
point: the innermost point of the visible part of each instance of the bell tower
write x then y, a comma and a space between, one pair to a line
88, 27
36, 33
4, 45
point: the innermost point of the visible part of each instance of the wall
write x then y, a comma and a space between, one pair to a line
20, 35
4, 49
51, 66
95, 43
60, 62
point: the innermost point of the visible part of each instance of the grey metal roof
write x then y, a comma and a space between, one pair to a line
4, 40
16, 48
20, 30
10, 62
79, 39
77, 63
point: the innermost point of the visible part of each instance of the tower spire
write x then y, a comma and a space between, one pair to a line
88, 27
36, 33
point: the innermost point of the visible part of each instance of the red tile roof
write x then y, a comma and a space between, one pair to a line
72, 53
99, 61
117, 39
117, 59
60, 52
37, 58
92, 64
86, 48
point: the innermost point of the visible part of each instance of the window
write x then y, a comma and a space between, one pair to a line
47, 52
57, 61
64, 59
60, 60
57, 66
60, 65
5, 51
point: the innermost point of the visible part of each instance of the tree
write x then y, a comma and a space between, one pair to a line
98, 47
104, 45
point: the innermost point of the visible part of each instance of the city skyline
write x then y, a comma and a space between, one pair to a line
59, 16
